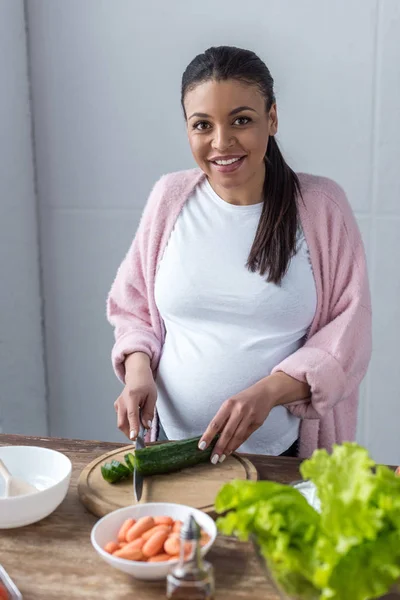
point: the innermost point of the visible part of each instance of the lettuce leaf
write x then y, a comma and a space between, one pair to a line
284, 525
348, 551
345, 484
366, 571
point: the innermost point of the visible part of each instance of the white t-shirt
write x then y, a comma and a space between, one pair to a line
226, 328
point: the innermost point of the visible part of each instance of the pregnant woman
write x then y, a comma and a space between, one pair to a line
242, 306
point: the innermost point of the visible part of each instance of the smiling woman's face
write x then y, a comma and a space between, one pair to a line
228, 129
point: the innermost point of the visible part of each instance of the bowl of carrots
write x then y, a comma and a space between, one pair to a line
143, 540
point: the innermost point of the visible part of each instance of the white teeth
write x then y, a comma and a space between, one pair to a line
227, 162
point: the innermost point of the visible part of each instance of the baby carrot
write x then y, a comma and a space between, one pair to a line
129, 554
3, 593
160, 558
176, 527
155, 544
205, 538
163, 520
111, 547
138, 529
136, 544
172, 544
147, 534
124, 529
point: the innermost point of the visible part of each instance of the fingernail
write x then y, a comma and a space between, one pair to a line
215, 459
223, 457
202, 445
132, 434
149, 424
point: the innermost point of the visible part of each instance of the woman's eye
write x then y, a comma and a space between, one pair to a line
242, 121
201, 125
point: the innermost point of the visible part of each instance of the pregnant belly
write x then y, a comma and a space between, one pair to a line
190, 392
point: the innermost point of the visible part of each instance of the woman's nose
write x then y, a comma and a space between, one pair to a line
222, 139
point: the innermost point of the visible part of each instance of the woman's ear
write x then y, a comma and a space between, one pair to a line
273, 120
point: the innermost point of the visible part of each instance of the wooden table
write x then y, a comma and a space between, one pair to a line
54, 559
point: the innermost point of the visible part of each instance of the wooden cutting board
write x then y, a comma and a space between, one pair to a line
195, 486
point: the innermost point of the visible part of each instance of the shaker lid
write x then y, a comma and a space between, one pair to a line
190, 529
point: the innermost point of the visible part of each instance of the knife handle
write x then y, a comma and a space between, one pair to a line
142, 428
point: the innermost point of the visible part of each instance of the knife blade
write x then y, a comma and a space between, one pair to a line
137, 477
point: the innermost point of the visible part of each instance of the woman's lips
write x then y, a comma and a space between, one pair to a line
228, 168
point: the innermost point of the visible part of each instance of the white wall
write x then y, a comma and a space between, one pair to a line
106, 78
22, 381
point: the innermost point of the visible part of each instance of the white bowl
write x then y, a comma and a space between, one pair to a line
106, 530
48, 470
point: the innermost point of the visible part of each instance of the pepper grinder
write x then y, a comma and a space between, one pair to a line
192, 579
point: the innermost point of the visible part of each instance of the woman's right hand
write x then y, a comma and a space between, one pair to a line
140, 390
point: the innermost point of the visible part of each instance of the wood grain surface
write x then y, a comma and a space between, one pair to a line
54, 559
196, 486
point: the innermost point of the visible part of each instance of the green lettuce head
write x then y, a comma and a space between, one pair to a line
350, 550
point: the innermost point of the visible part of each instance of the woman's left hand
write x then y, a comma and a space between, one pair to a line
237, 419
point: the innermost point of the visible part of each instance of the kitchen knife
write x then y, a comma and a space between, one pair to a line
137, 477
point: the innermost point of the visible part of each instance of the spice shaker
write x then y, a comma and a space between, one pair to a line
193, 577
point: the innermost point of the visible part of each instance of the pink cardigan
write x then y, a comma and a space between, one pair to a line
337, 351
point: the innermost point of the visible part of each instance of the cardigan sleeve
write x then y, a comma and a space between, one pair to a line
128, 300
334, 360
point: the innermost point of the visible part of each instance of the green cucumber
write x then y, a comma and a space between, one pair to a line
130, 461
171, 456
158, 459
120, 468
114, 471
110, 474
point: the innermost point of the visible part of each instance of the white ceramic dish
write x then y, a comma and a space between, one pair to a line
48, 470
106, 530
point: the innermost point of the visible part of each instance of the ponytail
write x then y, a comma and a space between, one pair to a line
275, 240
